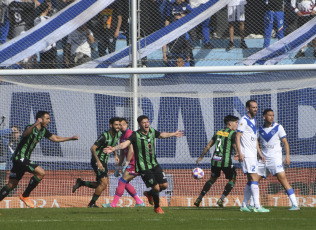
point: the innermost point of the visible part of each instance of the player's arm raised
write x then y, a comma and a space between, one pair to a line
123, 145
164, 135
29, 130
205, 150
56, 138
287, 151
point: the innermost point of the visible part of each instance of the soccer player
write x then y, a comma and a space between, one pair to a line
270, 135
99, 161
143, 142
22, 154
224, 141
128, 170
248, 147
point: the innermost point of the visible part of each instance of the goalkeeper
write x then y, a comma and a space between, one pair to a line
224, 141
128, 172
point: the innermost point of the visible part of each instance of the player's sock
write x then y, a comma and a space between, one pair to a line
207, 186
251, 202
4, 192
119, 191
229, 186
156, 198
247, 194
291, 194
95, 197
255, 193
131, 190
34, 181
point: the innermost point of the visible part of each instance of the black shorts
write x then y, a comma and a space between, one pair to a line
20, 167
230, 172
154, 176
99, 174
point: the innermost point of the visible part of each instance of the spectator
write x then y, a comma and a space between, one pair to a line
78, 50
4, 21
21, 16
107, 28
205, 24
305, 11
180, 46
48, 56
274, 13
236, 11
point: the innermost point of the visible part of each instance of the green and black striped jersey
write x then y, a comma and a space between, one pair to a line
104, 140
144, 149
27, 144
224, 140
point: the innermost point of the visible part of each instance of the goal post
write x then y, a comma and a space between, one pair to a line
195, 103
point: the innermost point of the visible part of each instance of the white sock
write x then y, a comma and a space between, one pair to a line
251, 202
292, 196
247, 194
255, 193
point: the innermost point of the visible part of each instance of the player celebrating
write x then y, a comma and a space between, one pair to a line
22, 154
99, 161
270, 135
128, 171
224, 141
143, 142
248, 147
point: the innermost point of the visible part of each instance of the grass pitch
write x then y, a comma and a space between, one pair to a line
145, 218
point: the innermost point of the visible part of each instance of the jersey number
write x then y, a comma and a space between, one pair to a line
218, 144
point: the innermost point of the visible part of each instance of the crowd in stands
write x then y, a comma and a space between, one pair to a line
101, 32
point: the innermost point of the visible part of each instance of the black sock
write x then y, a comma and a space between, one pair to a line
89, 184
95, 197
156, 198
4, 192
229, 186
34, 181
206, 188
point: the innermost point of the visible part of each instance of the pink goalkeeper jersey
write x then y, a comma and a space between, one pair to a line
124, 137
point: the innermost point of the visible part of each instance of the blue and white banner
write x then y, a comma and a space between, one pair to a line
161, 37
50, 31
284, 47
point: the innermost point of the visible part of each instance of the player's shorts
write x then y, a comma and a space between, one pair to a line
273, 166
20, 167
131, 169
250, 165
99, 174
236, 13
230, 172
154, 176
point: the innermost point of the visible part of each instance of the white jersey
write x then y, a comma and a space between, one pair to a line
237, 2
79, 42
248, 141
304, 6
270, 140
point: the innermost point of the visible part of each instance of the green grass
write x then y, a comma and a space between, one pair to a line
145, 218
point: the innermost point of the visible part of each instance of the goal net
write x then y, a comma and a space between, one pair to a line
193, 103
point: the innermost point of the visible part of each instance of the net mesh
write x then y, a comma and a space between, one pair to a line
194, 103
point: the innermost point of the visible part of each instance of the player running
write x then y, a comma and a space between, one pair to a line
143, 142
21, 158
270, 135
128, 170
99, 161
224, 141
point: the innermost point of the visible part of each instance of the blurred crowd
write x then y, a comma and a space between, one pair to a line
244, 19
